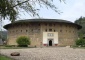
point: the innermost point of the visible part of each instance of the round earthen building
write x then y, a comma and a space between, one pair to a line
43, 32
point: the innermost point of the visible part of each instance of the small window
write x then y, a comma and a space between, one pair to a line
32, 30
50, 29
38, 29
27, 25
21, 25
60, 30
21, 30
50, 24
26, 30
66, 25
73, 31
45, 24
54, 31
60, 25
69, 26
54, 24
66, 30
39, 24
46, 30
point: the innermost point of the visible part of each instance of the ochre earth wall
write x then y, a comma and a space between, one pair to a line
67, 33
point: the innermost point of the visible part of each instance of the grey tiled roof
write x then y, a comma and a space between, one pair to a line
42, 20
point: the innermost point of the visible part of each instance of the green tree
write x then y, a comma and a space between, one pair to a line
80, 42
81, 21
10, 8
23, 41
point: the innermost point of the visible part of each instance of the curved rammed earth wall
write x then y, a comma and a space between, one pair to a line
67, 33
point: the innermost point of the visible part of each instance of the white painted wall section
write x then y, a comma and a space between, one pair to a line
50, 35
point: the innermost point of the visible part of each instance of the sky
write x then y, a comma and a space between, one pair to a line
71, 10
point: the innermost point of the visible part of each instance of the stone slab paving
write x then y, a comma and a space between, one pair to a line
58, 53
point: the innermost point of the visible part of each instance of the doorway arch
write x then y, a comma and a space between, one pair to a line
50, 42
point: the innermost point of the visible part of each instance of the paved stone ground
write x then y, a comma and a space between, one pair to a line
58, 53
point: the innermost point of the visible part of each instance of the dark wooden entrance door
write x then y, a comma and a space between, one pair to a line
50, 42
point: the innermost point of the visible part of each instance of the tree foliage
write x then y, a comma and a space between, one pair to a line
10, 8
81, 21
80, 42
7, 10
23, 41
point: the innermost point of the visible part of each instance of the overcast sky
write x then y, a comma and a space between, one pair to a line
72, 10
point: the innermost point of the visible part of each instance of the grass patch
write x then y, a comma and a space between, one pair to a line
76, 46
4, 58
14, 47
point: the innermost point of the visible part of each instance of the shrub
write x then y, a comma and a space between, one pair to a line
23, 41
80, 42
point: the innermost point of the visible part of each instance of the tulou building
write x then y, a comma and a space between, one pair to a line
43, 32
